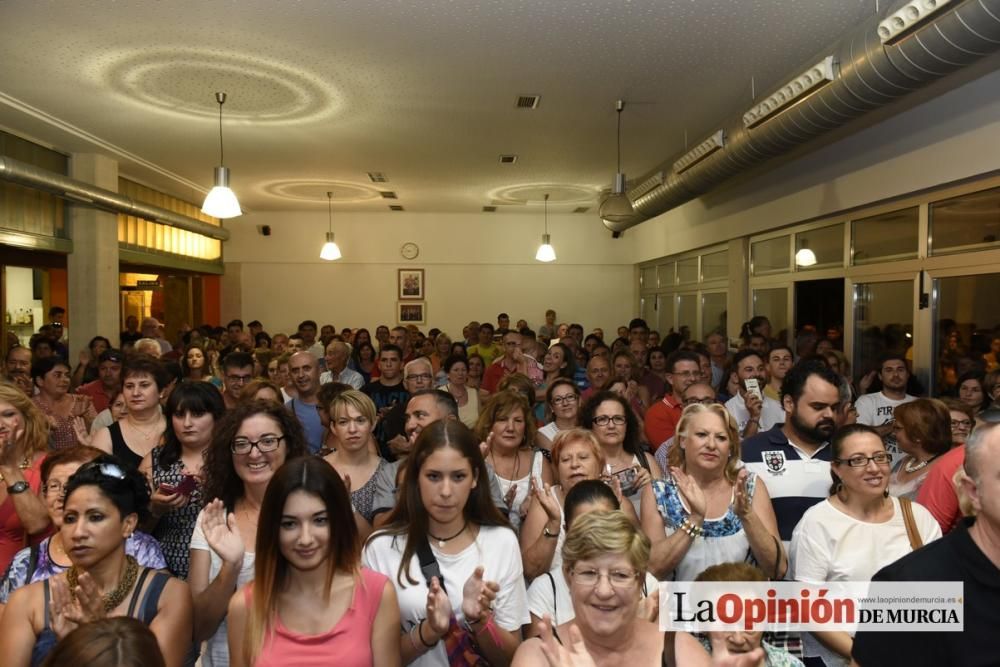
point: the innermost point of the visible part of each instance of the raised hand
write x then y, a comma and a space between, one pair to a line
484, 447
692, 493
754, 404
643, 477
81, 432
742, 503
544, 496
573, 654
438, 608
221, 533
649, 607
478, 595
69, 611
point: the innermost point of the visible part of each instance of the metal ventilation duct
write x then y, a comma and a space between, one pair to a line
90, 195
871, 74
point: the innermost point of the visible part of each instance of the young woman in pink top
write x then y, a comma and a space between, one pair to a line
310, 601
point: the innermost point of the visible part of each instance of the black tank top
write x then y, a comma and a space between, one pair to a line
121, 449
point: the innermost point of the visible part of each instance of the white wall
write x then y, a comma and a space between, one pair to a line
475, 266
951, 137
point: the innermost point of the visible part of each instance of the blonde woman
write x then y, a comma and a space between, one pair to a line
310, 599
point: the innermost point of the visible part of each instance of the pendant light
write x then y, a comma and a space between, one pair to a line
618, 207
805, 256
330, 251
546, 253
221, 201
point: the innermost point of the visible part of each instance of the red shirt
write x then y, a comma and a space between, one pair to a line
937, 493
661, 420
96, 392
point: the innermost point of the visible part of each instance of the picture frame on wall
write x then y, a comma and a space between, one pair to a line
411, 312
411, 284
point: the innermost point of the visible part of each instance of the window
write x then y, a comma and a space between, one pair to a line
772, 303
967, 325
647, 277
886, 236
713, 312
687, 271
687, 315
819, 248
883, 323
715, 266
970, 222
769, 256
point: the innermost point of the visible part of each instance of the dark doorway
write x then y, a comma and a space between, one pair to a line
820, 304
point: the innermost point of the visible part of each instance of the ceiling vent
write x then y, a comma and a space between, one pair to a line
489, 209
581, 209
508, 159
395, 207
377, 177
388, 194
527, 101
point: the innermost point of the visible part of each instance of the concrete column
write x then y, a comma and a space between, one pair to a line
93, 264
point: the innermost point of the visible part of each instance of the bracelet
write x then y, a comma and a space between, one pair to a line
421, 635
409, 635
692, 530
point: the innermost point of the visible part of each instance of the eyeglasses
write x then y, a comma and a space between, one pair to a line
603, 420
238, 379
617, 578
267, 443
426, 377
961, 423
859, 461
53, 487
565, 400
112, 470
703, 401
688, 374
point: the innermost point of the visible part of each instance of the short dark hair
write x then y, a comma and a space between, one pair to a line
255, 323
795, 379
197, 398
56, 310
452, 360
892, 357
390, 348
42, 367
743, 354
235, 323
503, 315
143, 364
130, 493
444, 400
638, 323
588, 491
295, 336
487, 325
307, 323
779, 346
237, 360
681, 355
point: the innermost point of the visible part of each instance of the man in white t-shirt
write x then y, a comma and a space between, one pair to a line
876, 409
753, 411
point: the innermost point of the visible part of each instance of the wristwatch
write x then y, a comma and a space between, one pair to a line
17, 487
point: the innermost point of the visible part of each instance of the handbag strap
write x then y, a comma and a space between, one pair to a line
428, 564
911, 525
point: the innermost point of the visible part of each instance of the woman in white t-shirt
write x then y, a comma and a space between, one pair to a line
248, 446
856, 531
445, 511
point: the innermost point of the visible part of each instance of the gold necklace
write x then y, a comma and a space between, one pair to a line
115, 597
144, 434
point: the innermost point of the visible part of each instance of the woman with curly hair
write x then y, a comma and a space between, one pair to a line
248, 446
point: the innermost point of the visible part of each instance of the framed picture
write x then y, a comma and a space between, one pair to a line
411, 312
411, 284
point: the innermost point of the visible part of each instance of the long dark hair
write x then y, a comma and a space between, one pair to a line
409, 518
631, 442
837, 448
197, 398
569, 371
221, 480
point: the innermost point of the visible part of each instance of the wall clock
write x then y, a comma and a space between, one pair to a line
409, 250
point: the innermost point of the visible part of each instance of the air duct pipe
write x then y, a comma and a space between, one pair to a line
79, 192
866, 74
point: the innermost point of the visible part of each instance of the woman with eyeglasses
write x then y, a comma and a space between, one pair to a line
557, 363
69, 415
174, 469
144, 379
963, 418
103, 503
451, 555
507, 427
855, 532
51, 556
311, 602
563, 399
250, 443
614, 423
604, 561
24, 440
922, 429
709, 510
457, 370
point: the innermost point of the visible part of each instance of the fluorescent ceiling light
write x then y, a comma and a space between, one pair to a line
900, 23
816, 76
701, 151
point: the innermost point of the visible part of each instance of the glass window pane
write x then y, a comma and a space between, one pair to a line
772, 303
770, 256
665, 315
647, 277
820, 248
715, 266
883, 323
687, 315
968, 328
665, 274
969, 222
713, 313
687, 271
889, 235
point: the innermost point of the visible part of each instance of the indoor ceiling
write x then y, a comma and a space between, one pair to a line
323, 92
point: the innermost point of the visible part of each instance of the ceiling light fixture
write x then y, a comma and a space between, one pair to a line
815, 77
221, 201
701, 151
902, 22
330, 251
617, 207
546, 253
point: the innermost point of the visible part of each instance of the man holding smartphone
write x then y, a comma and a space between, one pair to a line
752, 410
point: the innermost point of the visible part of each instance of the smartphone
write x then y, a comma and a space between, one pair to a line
186, 486
753, 387
627, 478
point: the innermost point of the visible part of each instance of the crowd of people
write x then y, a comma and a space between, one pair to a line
506, 496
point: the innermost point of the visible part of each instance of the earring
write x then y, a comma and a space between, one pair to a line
885, 494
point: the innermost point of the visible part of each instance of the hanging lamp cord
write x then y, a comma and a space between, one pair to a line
619, 108
222, 153
546, 213
329, 211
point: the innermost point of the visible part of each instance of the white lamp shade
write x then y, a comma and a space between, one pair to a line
805, 257
546, 253
221, 201
330, 251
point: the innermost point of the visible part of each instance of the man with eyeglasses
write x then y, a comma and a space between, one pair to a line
683, 371
417, 376
237, 370
699, 392
304, 371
